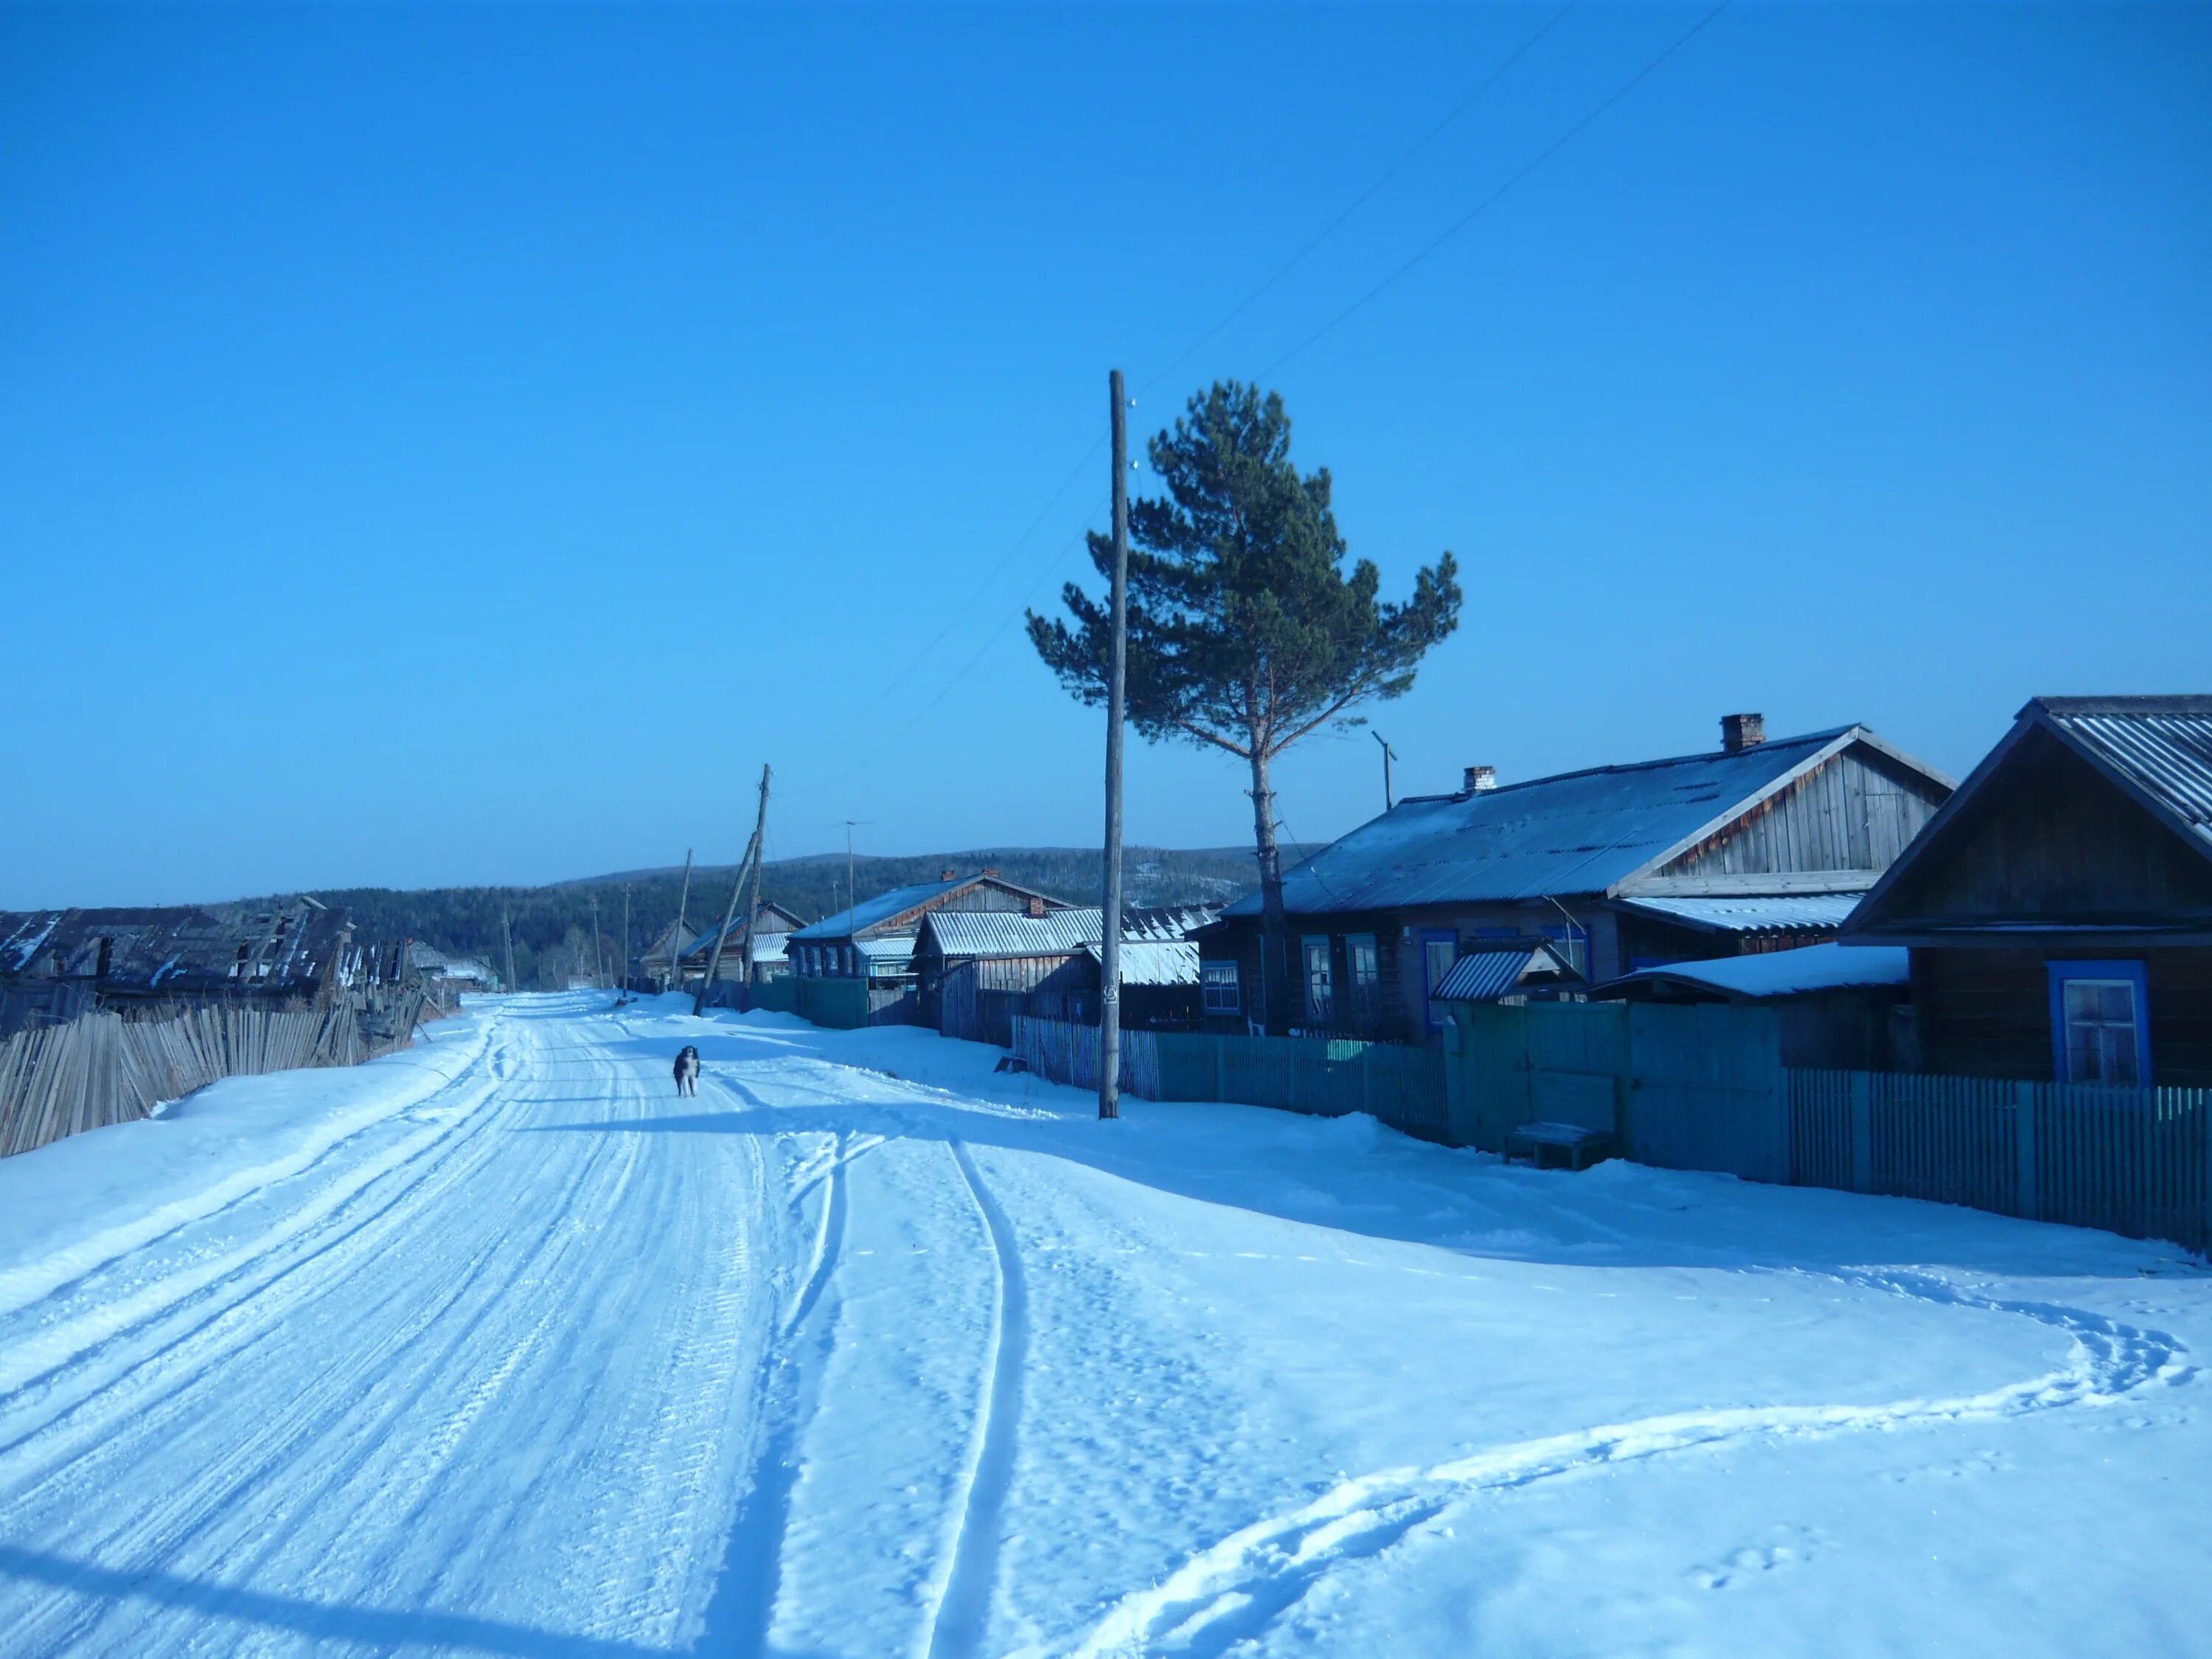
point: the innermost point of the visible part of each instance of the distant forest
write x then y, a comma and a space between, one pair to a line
553, 926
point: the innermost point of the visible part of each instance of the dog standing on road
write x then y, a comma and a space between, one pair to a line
687, 1071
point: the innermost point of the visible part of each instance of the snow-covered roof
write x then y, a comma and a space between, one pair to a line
1827, 967
1010, 933
875, 912
1786, 913
1580, 832
1154, 961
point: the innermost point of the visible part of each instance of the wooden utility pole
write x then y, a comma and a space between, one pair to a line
1388, 757
729, 916
599, 960
1109, 908
507, 935
676, 939
760, 857
625, 955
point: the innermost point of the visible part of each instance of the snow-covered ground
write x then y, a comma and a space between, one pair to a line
496, 1346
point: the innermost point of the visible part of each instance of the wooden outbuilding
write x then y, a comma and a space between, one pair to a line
875, 940
976, 969
2058, 909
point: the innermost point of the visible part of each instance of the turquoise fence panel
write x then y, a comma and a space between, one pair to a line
840, 1004
1403, 1087
1705, 1090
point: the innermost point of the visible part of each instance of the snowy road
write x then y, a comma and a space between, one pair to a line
499, 1347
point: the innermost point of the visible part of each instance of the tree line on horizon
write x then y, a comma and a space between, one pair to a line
552, 925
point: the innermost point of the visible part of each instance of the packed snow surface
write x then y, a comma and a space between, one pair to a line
497, 1346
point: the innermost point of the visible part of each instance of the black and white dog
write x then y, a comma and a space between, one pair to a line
687, 1071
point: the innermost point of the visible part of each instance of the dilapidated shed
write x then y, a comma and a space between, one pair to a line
56, 963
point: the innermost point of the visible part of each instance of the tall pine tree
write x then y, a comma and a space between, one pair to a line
1245, 632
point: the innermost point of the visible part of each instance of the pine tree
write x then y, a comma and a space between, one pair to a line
1245, 632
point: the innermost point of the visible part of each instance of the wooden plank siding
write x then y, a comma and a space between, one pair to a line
1855, 812
1987, 1013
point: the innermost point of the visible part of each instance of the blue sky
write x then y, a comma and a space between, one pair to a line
460, 445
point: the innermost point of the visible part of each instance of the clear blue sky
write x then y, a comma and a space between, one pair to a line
461, 445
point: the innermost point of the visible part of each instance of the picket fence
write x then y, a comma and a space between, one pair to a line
101, 1068
1704, 1089
2137, 1162
1404, 1087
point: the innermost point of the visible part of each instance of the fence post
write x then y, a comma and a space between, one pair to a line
1220, 1073
1861, 1133
2024, 1134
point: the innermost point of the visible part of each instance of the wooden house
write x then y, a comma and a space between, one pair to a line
773, 926
1759, 845
875, 940
975, 968
2058, 908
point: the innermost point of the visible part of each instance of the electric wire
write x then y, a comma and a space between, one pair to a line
1360, 200
1495, 196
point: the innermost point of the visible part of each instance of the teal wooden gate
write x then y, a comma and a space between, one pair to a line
1544, 1062
1707, 1089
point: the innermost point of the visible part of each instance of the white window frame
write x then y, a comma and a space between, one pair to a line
1213, 984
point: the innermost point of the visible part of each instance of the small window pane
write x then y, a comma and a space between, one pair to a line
2102, 1042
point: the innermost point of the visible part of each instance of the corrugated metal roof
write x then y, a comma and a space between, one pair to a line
1784, 973
1481, 975
1576, 833
1010, 933
868, 912
2163, 745
1155, 962
886, 947
1787, 912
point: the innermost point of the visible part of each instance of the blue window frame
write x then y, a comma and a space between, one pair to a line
2100, 1023
1439, 951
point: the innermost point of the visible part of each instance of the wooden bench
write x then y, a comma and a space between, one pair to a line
1576, 1144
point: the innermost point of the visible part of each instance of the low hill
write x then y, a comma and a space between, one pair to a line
553, 924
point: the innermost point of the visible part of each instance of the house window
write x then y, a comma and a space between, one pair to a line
1438, 952
1366, 965
1321, 988
2099, 1025
1219, 980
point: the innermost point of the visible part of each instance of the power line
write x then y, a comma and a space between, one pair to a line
969, 667
1188, 351
960, 611
1490, 200
1361, 200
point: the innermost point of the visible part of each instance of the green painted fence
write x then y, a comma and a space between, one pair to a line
1403, 1087
840, 1004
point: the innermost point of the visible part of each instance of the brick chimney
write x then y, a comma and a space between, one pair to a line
1742, 731
990, 869
1033, 906
1477, 779
947, 875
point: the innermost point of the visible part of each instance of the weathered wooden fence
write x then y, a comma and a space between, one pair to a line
1403, 1087
101, 1068
2132, 1161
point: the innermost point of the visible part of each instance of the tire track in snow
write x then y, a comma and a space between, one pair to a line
1236, 1588
964, 1606
741, 1614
